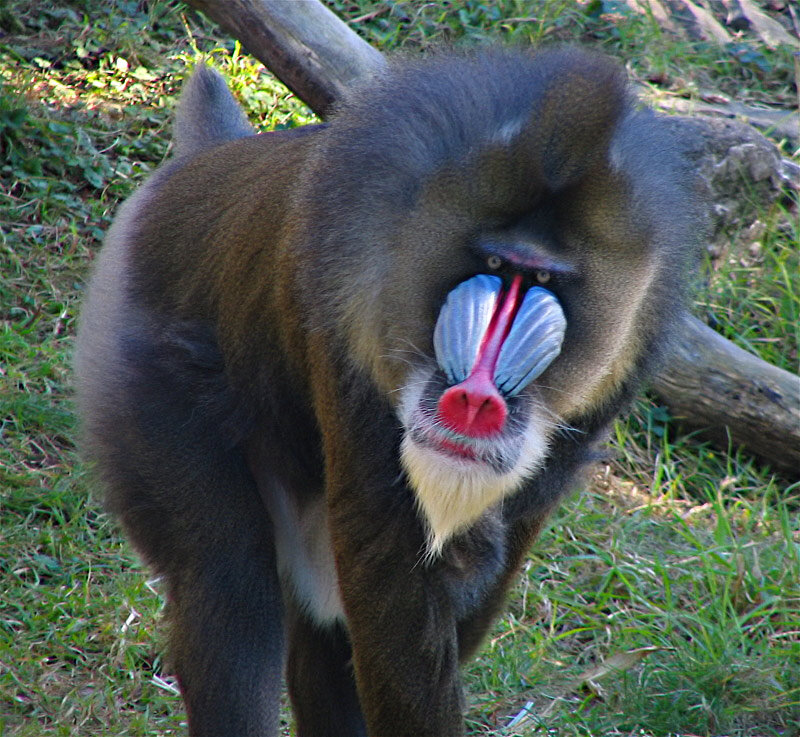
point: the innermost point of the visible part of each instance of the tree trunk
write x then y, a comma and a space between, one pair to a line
731, 395
707, 381
301, 42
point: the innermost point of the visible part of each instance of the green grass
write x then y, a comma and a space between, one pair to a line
710, 589
663, 601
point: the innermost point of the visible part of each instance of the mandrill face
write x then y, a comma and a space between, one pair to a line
514, 268
463, 449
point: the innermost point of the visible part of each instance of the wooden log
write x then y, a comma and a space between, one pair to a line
711, 384
304, 44
707, 381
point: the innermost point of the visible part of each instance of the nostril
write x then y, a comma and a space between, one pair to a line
474, 408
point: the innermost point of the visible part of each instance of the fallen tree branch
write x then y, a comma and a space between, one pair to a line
302, 43
708, 382
711, 384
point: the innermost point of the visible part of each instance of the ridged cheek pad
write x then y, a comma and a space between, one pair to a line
491, 344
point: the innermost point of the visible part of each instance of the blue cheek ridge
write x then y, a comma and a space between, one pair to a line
462, 323
533, 342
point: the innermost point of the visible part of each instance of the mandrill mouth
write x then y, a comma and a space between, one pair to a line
427, 433
453, 444
455, 448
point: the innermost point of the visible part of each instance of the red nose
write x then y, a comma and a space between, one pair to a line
473, 408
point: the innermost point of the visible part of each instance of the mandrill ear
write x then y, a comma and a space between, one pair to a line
207, 114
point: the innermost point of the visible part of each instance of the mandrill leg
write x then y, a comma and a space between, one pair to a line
226, 638
320, 678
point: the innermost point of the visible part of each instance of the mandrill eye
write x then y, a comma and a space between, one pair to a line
542, 276
494, 262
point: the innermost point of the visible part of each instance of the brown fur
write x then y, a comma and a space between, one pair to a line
255, 362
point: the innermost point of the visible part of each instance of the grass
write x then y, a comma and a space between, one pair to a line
665, 600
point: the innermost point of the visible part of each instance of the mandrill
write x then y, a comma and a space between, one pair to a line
334, 379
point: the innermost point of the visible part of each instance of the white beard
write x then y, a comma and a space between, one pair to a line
453, 492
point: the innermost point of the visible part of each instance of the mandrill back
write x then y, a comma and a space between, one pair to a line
334, 379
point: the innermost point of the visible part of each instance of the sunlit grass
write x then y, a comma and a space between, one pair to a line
680, 564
